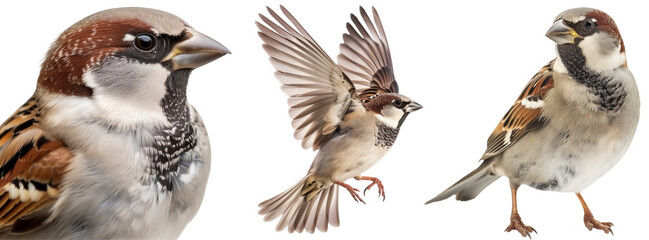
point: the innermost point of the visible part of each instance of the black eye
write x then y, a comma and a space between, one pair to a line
144, 42
589, 25
398, 103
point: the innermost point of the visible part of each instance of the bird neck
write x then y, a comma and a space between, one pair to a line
610, 94
173, 140
385, 135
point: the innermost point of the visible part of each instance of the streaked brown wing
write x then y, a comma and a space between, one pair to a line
32, 166
365, 56
319, 92
523, 116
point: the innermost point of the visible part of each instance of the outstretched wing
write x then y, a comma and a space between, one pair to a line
524, 115
319, 92
365, 56
31, 168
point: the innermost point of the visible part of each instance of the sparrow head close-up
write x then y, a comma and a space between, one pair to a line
594, 33
108, 146
391, 108
120, 59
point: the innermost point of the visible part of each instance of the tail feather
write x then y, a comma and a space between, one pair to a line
277, 205
299, 219
332, 207
283, 206
299, 214
470, 185
328, 211
289, 216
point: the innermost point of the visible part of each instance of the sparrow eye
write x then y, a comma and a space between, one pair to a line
589, 25
144, 42
398, 103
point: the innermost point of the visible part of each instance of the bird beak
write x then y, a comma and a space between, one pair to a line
561, 34
413, 106
195, 51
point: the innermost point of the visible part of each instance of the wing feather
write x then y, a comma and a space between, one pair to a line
365, 56
524, 116
31, 166
319, 92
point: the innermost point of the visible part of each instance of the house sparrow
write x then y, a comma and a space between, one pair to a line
108, 146
571, 124
351, 113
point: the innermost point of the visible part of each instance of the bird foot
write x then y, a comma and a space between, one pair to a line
375, 181
518, 225
352, 191
591, 223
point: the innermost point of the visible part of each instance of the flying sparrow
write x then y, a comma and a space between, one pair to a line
108, 146
351, 113
571, 124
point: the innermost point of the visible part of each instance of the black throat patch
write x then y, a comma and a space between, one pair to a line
171, 142
385, 136
610, 95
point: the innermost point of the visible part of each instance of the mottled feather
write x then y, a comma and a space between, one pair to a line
523, 116
32, 166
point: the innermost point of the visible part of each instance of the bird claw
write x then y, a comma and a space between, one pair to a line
375, 181
352, 191
518, 225
591, 223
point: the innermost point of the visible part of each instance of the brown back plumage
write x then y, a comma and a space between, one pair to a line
521, 119
32, 166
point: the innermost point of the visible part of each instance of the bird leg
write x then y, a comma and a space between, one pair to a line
590, 221
515, 219
352, 191
374, 181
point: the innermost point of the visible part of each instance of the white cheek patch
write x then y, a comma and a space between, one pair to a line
602, 52
128, 38
128, 93
390, 116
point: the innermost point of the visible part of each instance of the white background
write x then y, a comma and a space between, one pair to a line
465, 62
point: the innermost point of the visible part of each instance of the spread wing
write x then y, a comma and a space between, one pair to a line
319, 92
31, 167
365, 56
524, 115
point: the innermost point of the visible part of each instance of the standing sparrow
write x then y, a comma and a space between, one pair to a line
571, 124
351, 113
108, 146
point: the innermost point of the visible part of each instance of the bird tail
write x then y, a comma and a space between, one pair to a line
470, 185
306, 205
